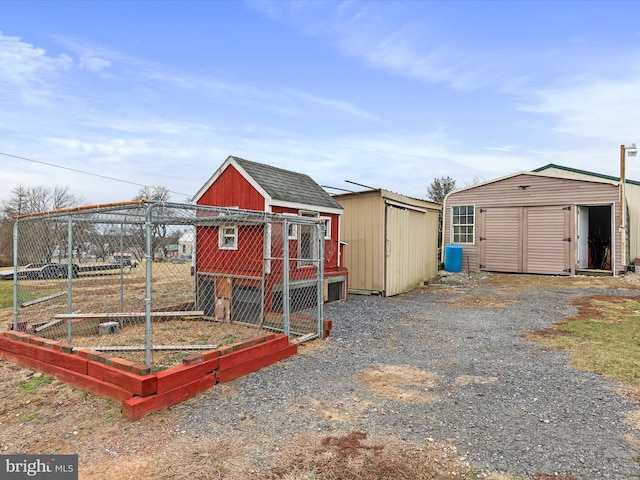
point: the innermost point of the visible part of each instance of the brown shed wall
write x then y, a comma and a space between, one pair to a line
522, 198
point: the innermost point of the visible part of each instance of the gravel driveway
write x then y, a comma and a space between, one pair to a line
507, 404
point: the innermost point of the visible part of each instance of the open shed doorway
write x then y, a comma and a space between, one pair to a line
594, 237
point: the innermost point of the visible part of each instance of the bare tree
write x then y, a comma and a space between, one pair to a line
156, 193
159, 231
474, 181
436, 193
45, 238
6, 242
439, 188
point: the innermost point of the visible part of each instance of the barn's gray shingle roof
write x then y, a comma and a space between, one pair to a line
288, 186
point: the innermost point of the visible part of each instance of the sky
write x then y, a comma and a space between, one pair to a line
106, 97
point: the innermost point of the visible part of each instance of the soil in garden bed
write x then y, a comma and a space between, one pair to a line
169, 333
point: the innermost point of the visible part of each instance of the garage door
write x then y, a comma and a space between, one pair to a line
500, 248
548, 241
525, 239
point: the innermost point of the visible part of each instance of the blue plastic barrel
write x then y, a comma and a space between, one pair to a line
453, 258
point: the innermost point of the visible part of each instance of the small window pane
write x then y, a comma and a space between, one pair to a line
462, 224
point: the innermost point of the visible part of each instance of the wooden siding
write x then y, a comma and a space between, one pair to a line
531, 190
231, 189
392, 241
331, 250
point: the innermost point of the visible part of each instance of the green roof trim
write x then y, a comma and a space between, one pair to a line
584, 172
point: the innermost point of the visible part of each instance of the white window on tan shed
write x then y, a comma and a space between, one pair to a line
462, 224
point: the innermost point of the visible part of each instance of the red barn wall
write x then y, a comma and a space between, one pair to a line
330, 246
231, 189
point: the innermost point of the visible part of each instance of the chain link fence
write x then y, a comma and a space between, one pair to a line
154, 281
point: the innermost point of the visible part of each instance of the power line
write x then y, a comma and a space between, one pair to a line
85, 173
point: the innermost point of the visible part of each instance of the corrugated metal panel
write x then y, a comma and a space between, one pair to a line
363, 230
529, 190
410, 248
500, 239
633, 207
406, 259
548, 241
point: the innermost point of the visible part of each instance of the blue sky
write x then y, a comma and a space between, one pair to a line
387, 94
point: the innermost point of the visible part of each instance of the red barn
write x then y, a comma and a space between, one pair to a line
232, 258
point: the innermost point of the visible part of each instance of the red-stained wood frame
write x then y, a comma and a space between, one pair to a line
139, 391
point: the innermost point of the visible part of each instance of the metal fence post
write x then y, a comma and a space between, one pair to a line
148, 293
70, 277
285, 279
320, 267
15, 276
122, 267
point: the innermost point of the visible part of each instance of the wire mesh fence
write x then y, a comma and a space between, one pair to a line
154, 281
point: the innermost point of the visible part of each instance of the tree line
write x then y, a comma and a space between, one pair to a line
29, 200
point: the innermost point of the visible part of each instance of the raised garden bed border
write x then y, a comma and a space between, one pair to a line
139, 391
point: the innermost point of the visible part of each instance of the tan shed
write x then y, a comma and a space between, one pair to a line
538, 222
392, 241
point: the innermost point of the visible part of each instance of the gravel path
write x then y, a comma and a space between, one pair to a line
507, 404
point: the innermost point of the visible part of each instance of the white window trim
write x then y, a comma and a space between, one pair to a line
474, 224
292, 234
307, 263
327, 227
222, 235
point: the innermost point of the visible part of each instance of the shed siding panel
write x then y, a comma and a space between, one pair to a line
363, 230
540, 190
547, 250
501, 248
411, 248
633, 207
391, 246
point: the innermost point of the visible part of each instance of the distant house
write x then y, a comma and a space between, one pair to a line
229, 257
555, 220
186, 243
392, 241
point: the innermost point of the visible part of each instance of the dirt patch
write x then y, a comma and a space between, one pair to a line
634, 419
486, 301
170, 333
630, 281
465, 380
400, 382
355, 455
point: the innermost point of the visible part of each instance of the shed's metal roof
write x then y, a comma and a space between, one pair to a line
287, 186
583, 172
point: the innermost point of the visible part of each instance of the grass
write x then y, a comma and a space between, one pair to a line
604, 338
6, 294
27, 417
30, 387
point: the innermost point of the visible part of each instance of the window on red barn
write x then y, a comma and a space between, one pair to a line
228, 237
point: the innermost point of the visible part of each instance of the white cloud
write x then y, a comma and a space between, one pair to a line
26, 71
93, 64
338, 105
597, 108
22, 63
501, 148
